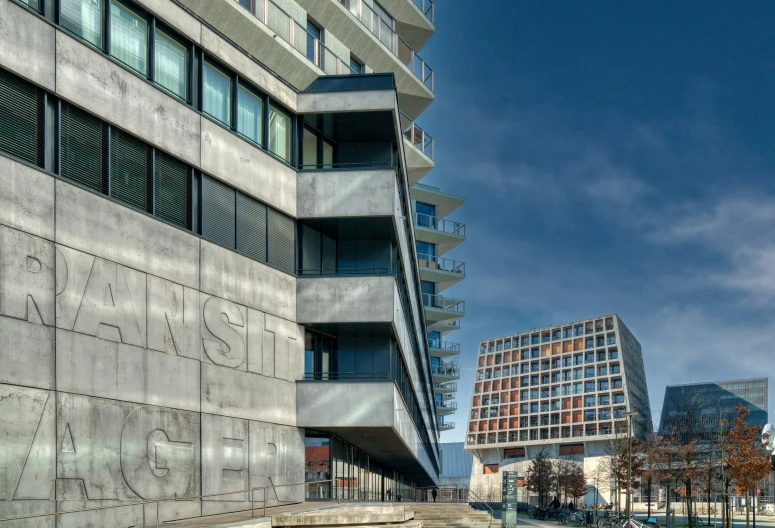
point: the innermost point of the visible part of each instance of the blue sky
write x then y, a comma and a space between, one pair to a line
616, 157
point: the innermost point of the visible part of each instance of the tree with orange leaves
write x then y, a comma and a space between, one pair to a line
747, 462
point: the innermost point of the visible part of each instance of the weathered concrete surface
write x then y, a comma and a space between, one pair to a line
27, 45
26, 197
238, 163
92, 81
341, 194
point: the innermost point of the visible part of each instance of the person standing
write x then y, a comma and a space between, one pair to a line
434, 494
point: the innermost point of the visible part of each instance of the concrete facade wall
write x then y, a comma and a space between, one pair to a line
138, 362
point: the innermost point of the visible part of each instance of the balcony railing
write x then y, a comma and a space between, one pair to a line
392, 40
441, 263
446, 386
428, 9
446, 370
279, 21
439, 224
446, 405
443, 303
444, 345
446, 425
417, 136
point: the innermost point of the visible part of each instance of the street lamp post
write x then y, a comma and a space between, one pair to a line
629, 416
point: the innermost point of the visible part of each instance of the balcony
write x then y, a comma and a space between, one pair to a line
442, 349
443, 271
418, 149
263, 29
445, 203
445, 388
444, 408
443, 373
392, 41
446, 426
440, 310
434, 230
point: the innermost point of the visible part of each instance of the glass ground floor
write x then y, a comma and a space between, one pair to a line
352, 474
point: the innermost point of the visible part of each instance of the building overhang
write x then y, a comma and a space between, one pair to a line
371, 415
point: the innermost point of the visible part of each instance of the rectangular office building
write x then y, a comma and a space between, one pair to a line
564, 390
209, 272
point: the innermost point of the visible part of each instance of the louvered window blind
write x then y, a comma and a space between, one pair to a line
172, 190
218, 212
281, 241
83, 149
310, 251
21, 118
251, 227
130, 170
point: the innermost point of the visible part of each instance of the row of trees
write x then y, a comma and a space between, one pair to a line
562, 478
690, 461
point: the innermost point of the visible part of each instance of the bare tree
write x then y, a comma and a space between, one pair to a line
600, 477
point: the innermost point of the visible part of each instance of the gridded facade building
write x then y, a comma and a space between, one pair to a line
209, 272
563, 389
697, 411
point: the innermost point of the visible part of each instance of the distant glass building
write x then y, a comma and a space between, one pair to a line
705, 405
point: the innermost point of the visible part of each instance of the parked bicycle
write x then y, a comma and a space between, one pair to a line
765, 509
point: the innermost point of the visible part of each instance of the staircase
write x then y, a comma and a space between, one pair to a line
441, 515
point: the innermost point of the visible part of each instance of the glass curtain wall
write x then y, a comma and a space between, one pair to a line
354, 474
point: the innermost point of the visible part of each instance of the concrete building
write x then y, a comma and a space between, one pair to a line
563, 390
209, 276
705, 405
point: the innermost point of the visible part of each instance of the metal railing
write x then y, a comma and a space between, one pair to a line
450, 385
441, 263
344, 271
346, 376
446, 425
417, 136
439, 224
444, 345
288, 29
458, 494
428, 9
448, 304
156, 502
446, 370
382, 29
347, 166
446, 405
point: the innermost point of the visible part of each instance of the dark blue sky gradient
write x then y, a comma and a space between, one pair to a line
616, 157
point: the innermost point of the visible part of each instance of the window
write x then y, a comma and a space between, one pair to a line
172, 190
571, 449
279, 133
251, 227
35, 4
491, 469
171, 64
281, 241
130, 169
313, 37
356, 66
84, 18
128, 37
218, 212
21, 119
83, 149
216, 93
250, 114
518, 452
